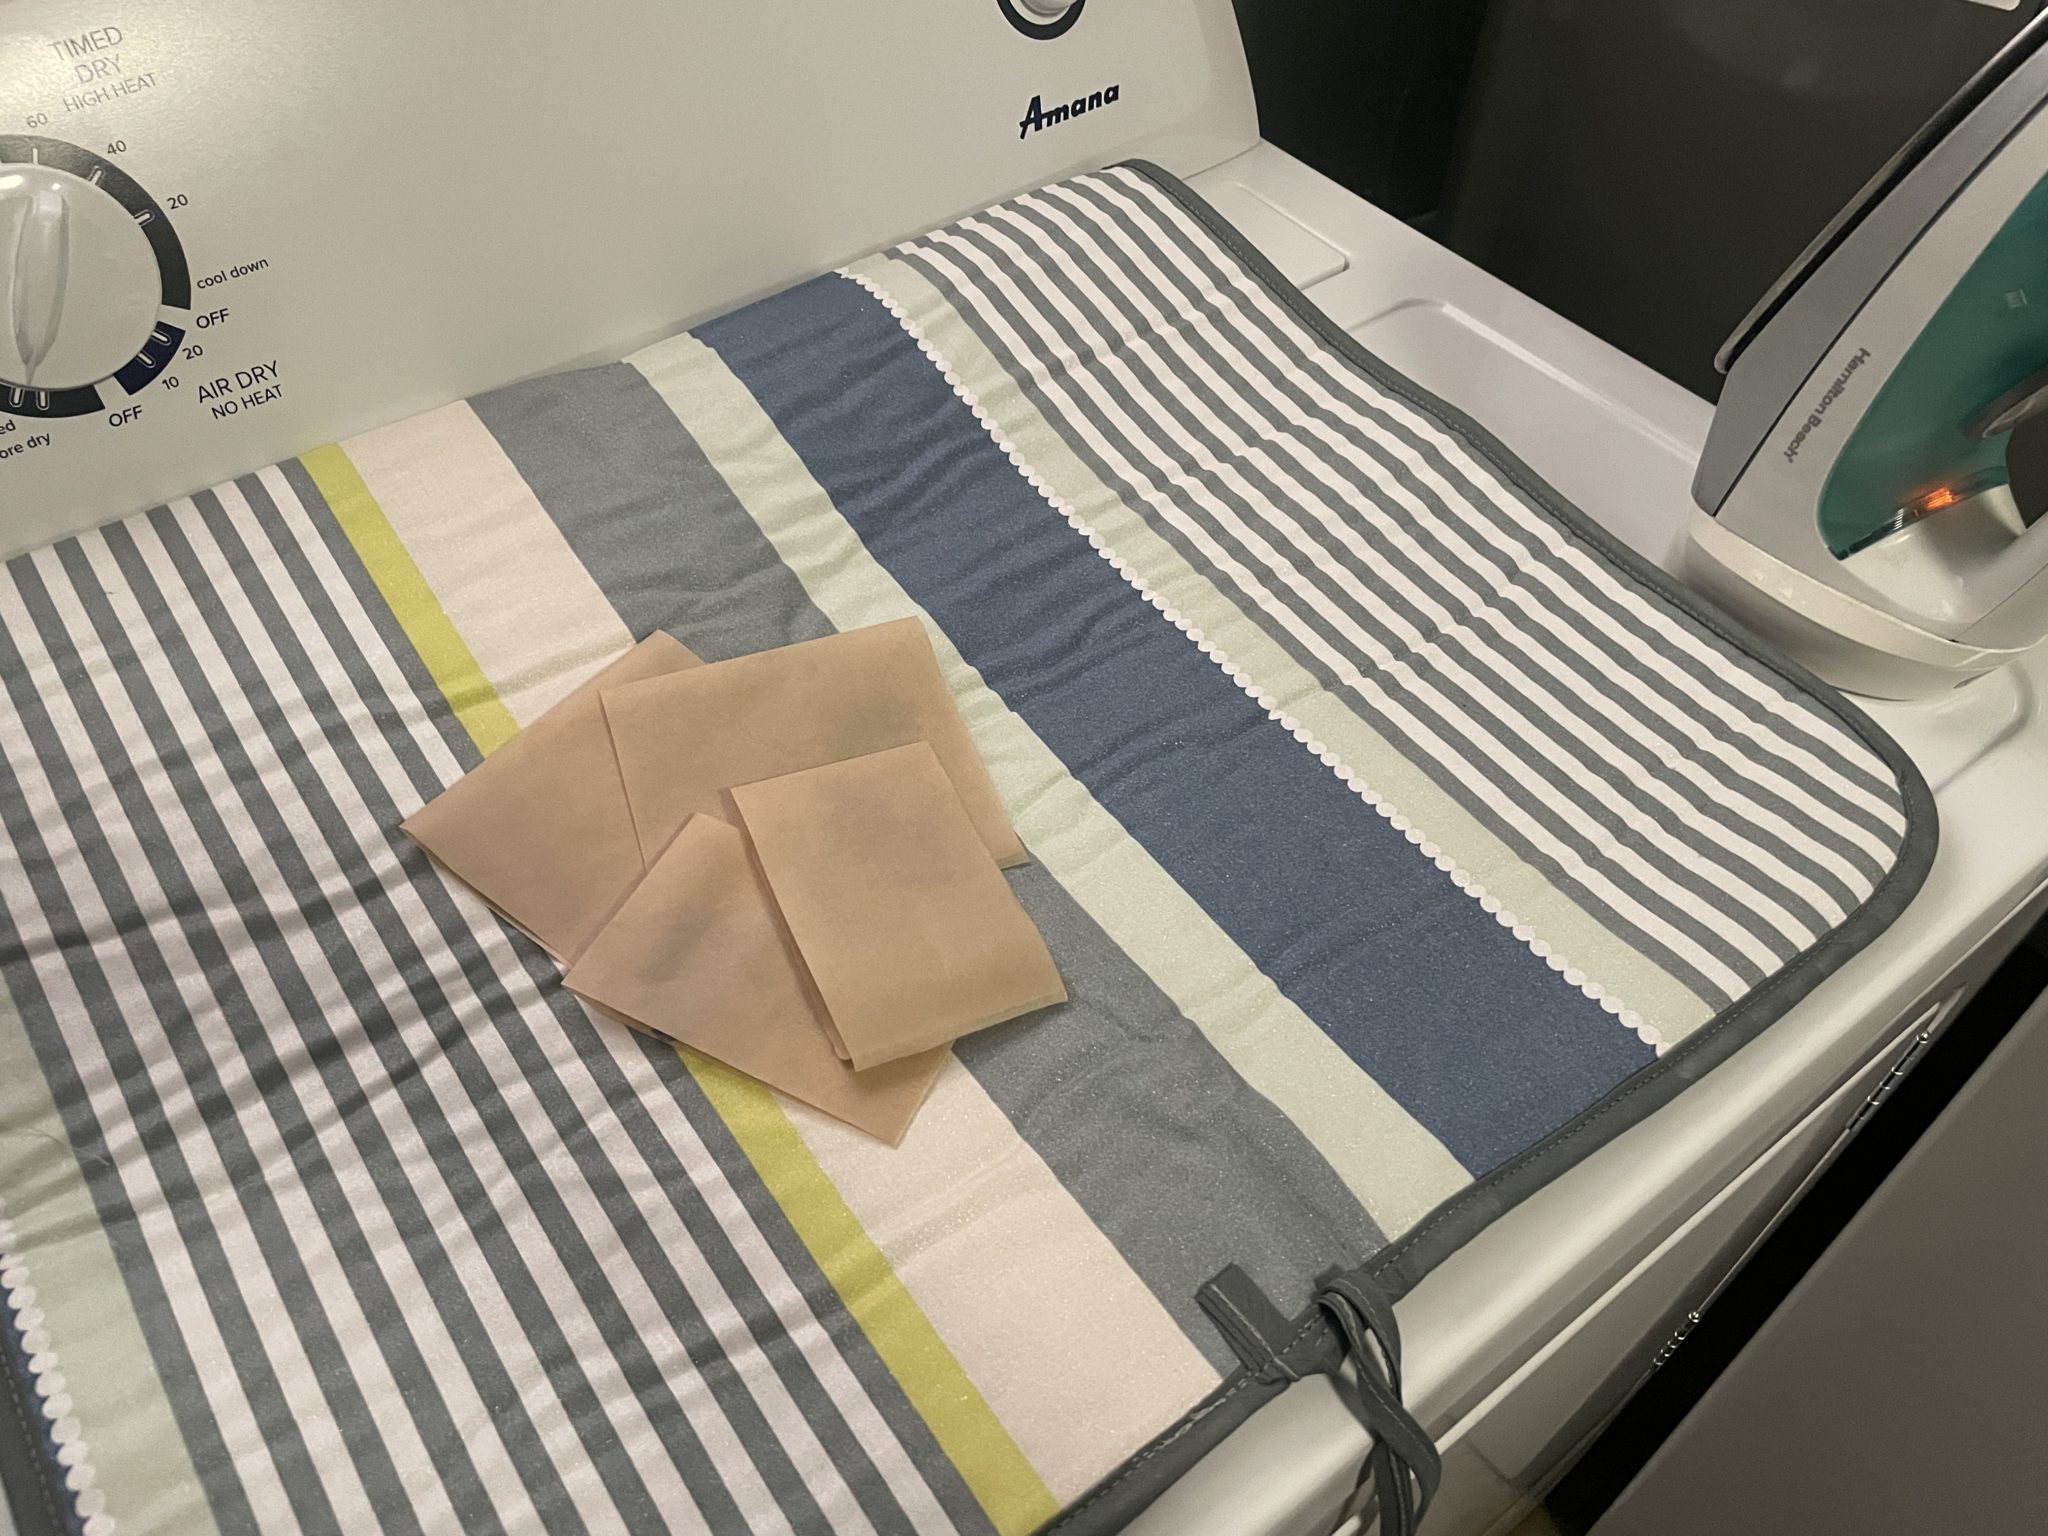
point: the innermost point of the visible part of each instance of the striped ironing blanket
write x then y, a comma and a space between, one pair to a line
1397, 836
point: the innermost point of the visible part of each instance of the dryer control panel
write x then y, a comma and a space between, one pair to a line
231, 230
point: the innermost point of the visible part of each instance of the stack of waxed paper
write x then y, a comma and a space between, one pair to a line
791, 861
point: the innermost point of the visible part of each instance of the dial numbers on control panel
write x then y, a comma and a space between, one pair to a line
95, 293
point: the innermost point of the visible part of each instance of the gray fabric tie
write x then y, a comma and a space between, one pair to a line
1404, 1463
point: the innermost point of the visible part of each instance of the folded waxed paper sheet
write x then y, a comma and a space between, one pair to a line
698, 955
547, 831
684, 740
540, 828
907, 927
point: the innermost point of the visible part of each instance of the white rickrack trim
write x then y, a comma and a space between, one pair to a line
1572, 975
32, 1332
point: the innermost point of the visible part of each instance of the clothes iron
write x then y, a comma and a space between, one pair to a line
1872, 490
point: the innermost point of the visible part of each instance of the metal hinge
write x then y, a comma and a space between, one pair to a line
1893, 1078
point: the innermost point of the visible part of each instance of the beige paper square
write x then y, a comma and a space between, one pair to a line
684, 740
697, 954
540, 828
908, 929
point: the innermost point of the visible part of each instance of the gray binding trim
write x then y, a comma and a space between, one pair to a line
1313, 1344
1254, 1328
28, 1468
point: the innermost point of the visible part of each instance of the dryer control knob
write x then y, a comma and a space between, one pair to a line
1042, 19
79, 284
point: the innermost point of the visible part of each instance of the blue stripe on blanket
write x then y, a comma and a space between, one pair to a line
1475, 1036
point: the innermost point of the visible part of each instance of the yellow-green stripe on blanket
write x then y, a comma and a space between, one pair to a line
1002, 1480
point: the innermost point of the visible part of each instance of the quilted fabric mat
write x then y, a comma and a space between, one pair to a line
1398, 836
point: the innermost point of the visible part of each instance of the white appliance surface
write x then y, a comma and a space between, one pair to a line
1519, 1346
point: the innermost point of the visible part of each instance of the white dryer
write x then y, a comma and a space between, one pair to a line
350, 218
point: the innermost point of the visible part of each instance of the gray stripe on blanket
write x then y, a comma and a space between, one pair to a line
1264, 1188
599, 1170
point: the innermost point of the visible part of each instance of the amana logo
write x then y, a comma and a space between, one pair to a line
1039, 115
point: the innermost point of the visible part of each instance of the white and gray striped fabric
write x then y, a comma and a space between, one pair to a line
463, 1246
1693, 802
